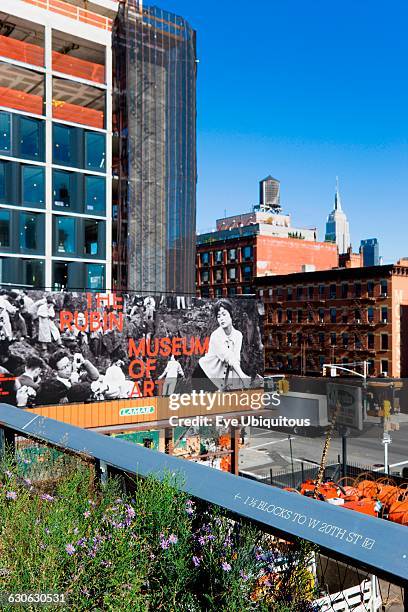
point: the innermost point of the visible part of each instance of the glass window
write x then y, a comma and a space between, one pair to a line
384, 366
232, 273
205, 275
232, 254
33, 272
289, 316
95, 151
279, 316
65, 235
321, 315
33, 186
384, 342
30, 229
345, 340
205, 292
384, 314
218, 256
299, 316
232, 291
383, 286
370, 314
60, 275
95, 194
332, 292
95, 276
357, 342
344, 290
91, 234
5, 133
357, 315
247, 252
218, 292
218, 275
3, 181
4, 228
310, 292
370, 341
321, 291
62, 189
63, 139
299, 337
370, 289
204, 258
321, 338
333, 315
31, 139
289, 339
289, 294
333, 339
247, 270
357, 290
299, 292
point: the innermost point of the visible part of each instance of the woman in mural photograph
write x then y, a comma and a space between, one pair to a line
220, 369
47, 331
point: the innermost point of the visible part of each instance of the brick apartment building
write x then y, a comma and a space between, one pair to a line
337, 316
256, 244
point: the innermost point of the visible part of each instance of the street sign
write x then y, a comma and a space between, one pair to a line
349, 400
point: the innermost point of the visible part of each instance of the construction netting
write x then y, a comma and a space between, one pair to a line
155, 157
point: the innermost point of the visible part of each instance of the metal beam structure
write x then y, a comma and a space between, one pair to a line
372, 544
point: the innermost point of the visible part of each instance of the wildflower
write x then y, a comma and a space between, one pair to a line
130, 511
106, 563
11, 495
42, 546
27, 481
70, 549
81, 542
91, 503
87, 514
47, 497
8, 474
196, 561
47, 531
226, 566
173, 539
189, 506
243, 575
85, 591
26, 461
164, 544
202, 540
211, 537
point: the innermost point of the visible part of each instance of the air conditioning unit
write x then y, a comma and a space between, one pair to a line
358, 320
385, 321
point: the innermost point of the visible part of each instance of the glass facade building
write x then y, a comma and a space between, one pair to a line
55, 148
155, 113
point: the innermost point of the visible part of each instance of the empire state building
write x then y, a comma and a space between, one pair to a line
337, 226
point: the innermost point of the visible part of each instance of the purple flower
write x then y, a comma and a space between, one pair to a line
47, 497
87, 514
70, 549
130, 511
201, 540
26, 461
243, 575
226, 566
8, 473
211, 537
81, 542
189, 506
11, 495
196, 561
91, 503
189, 510
27, 481
173, 539
164, 544
47, 531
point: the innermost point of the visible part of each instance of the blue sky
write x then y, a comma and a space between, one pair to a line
304, 91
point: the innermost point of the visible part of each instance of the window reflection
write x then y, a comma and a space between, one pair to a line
91, 237
95, 151
33, 186
62, 145
2, 180
95, 194
29, 229
62, 189
5, 133
95, 276
4, 229
30, 138
65, 235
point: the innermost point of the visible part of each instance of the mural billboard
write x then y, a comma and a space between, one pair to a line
68, 347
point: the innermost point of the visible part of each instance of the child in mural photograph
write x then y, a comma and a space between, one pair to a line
220, 368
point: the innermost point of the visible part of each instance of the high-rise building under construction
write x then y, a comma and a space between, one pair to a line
155, 103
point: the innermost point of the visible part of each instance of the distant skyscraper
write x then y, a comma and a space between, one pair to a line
337, 226
371, 252
269, 194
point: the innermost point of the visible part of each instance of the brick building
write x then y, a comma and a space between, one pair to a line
337, 316
254, 245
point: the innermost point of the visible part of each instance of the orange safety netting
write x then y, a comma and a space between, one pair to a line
78, 67
77, 114
20, 100
73, 12
21, 51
